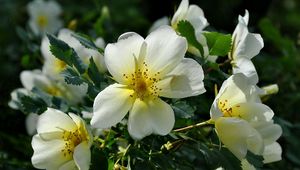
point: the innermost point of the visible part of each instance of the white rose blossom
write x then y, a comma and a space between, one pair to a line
71, 93
44, 16
195, 15
243, 123
62, 142
245, 46
53, 66
146, 69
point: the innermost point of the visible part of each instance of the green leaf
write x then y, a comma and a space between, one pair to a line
72, 77
255, 160
33, 104
94, 73
186, 30
86, 42
183, 110
219, 44
64, 52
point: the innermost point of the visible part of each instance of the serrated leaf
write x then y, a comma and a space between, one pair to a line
186, 29
183, 110
255, 160
219, 44
64, 52
33, 105
86, 42
72, 77
94, 73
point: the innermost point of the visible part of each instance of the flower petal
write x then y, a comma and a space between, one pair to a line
165, 50
82, 156
245, 66
272, 153
250, 46
120, 57
236, 89
269, 131
68, 166
158, 23
147, 117
31, 122
54, 120
180, 13
35, 78
47, 154
185, 80
196, 17
254, 112
111, 105
238, 136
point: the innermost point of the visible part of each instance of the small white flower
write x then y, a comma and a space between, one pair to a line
245, 46
242, 123
146, 69
44, 16
62, 142
71, 93
194, 14
54, 66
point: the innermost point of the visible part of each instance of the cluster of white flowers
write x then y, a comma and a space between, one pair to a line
145, 70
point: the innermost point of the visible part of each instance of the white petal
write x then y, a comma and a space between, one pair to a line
54, 120
82, 156
99, 42
236, 89
269, 131
245, 66
158, 23
253, 112
14, 103
70, 165
246, 165
238, 136
31, 122
185, 80
250, 46
147, 117
196, 17
35, 78
272, 153
180, 13
120, 57
165, 50
45, 49
47, 154
111, 105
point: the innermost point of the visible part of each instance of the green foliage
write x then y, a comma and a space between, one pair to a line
219, 44
186, 30
72, 76
64, 52
86, 42
33, 104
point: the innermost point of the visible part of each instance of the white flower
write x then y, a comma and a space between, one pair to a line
71, 93
54, 66
241, 122
44, 16
146, 69
194, 14
62, 142
31, 122
245, 46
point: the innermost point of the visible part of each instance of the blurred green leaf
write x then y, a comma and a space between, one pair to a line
186, 30
64, 52
219, 44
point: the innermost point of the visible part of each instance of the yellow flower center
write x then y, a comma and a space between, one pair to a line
228, 111
72, 139
144, 86
55, 91
42, 21
59, 65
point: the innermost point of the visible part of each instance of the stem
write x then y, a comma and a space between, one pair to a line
208, 122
